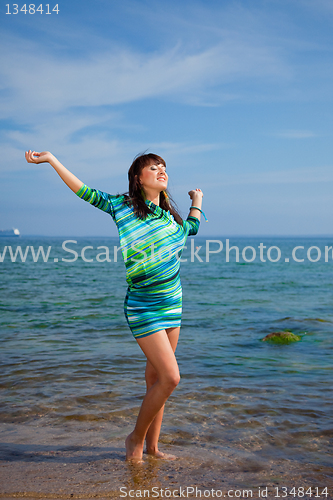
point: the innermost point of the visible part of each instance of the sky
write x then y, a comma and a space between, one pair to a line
236, 96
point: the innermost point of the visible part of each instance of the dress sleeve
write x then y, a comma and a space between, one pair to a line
192, 223
99, 199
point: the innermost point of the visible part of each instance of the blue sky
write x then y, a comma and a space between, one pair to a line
235, 95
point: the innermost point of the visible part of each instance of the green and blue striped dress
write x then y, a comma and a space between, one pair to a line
151, 250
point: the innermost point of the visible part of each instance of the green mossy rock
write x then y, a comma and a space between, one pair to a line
281, 337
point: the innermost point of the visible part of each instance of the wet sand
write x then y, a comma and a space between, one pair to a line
84, 460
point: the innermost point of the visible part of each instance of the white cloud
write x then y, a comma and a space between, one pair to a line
36, 81
91, 155
54, 132
54, 99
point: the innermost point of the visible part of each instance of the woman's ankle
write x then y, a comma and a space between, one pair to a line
151, 449
134, 449
136, 439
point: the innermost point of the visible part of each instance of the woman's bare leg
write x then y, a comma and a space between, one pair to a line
154, 430
159, 353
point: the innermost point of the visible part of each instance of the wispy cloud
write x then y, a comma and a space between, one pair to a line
37, 81
89, 143
66, 103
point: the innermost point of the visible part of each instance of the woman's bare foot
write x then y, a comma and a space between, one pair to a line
160, 454
133, 450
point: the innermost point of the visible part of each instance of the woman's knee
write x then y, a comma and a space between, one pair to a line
170, 380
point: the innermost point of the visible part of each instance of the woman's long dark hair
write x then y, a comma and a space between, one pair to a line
136, 197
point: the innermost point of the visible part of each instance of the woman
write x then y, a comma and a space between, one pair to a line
152, 236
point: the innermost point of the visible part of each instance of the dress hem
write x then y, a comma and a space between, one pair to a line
140, 336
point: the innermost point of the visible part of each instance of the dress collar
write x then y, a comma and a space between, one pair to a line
150, 204
156, 209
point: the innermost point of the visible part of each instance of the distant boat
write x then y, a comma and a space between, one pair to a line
9, 232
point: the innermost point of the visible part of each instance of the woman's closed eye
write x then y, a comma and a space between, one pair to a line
154, 167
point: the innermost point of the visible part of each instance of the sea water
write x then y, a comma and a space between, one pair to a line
68, 356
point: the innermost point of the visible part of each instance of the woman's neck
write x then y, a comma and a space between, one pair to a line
154, 197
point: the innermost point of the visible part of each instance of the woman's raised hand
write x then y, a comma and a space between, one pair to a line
34, 157
195, 193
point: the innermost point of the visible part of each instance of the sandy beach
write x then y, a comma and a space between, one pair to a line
87, 461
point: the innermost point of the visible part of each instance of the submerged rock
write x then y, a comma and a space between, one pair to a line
281, 337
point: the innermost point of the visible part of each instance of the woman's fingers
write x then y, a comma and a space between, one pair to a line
32, 156
29, 157
36, 157
195, 191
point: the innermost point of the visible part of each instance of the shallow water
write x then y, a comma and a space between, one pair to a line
69, 361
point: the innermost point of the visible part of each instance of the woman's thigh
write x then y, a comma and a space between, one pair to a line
150, 373
173, 335
159, 351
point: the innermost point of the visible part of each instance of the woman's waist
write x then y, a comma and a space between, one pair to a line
153, 281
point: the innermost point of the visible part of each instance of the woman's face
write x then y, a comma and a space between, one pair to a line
154, 177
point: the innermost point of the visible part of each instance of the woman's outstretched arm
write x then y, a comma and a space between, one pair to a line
46, 157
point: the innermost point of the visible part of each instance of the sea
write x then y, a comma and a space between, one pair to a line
248, 415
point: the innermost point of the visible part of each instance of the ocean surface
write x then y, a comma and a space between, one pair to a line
246, 412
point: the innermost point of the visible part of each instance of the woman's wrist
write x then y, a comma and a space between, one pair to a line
197, 211
52, 160
197, 201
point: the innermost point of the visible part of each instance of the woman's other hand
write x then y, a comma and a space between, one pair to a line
195, 194
34, 157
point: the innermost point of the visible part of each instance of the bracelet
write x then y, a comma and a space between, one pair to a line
203, 213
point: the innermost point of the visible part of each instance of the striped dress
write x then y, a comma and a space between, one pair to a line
151, 249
